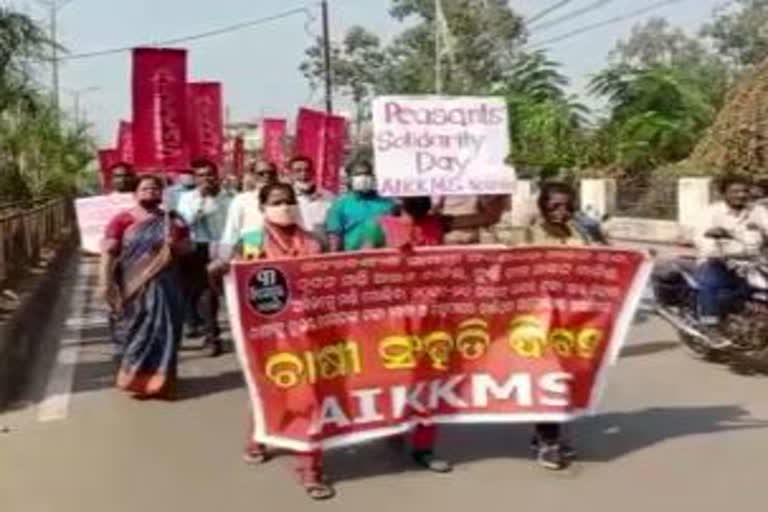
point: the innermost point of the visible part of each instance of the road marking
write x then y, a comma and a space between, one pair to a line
58, 392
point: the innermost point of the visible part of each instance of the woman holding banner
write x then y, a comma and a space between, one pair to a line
413, 225
281, 237
139, 280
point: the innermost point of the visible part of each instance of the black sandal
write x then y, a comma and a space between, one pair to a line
319, 491
256, 458
431, 462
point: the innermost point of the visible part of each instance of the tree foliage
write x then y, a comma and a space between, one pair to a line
739, 31
40, 153
662, 88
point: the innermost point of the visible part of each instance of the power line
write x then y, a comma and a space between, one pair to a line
549, 10
571, 15
195, 37
601, 24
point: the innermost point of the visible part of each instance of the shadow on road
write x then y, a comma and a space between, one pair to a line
647, 349
602, 439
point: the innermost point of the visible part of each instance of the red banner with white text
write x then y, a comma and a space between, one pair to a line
274, 131
205, 122
160, 109
125, 143
340, 349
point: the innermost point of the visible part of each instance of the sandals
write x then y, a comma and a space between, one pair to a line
431, 462
255, 456
319, 491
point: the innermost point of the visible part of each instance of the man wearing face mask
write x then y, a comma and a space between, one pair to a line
245, 212
412, 224
184, 183
205, 212
313, 203
350, 213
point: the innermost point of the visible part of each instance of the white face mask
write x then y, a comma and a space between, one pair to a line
282, 215
187, 180
305, 187
363, 183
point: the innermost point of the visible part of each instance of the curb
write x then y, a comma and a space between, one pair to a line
19, 337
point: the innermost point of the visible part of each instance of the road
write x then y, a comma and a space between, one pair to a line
676, 434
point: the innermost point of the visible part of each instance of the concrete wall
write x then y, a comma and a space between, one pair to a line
599, 195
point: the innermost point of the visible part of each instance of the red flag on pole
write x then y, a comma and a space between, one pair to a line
205, 121
125, 143
309, 134
159, 108
108, 159
274, 141
333, 159
322, 138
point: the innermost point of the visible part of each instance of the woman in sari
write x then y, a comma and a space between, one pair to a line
281, 237
413, 224
556, 226
139, 280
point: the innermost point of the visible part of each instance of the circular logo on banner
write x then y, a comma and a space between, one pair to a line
268, 291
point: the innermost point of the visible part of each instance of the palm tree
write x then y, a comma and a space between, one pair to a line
546, 124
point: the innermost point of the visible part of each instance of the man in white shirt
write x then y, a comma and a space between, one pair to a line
204, 209
731, 228
244, 213
313, 203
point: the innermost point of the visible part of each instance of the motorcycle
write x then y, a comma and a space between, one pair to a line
741, 338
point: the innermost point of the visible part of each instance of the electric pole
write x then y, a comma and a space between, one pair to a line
327, 58
55, 56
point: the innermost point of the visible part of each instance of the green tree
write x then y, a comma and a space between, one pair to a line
739, 31
39, 154
657, 115
479, 39
356, 66
546, 125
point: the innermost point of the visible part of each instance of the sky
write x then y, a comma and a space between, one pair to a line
259, 65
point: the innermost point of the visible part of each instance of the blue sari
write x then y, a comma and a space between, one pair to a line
150, 320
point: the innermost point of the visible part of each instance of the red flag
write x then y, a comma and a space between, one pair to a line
333, 158
322, 138
159, 108
205, 121
108, 159
238, 155
125, 143
274, 141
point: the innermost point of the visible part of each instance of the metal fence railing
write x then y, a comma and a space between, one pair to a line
28, 228
656, 200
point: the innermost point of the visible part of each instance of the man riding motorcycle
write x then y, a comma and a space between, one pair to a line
733, 228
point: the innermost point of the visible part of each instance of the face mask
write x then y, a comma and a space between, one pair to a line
305, 187
281, 215
417, 207
363, 184
150, 204
187, 181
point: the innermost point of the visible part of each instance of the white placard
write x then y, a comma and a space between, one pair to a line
93, 215
441, 146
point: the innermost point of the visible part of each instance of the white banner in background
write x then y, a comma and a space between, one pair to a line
93, 215
441, 146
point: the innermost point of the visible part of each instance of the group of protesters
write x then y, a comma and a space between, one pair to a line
163, 261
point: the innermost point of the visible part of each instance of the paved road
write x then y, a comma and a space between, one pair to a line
676, 435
